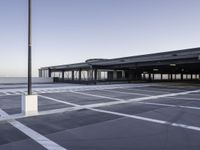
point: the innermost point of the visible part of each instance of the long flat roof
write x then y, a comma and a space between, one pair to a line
192, 53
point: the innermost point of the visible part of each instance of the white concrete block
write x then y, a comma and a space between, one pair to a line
29, 104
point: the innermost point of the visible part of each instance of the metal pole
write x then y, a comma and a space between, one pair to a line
29, 50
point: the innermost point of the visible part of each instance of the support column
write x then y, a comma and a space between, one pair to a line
196, 77
114, 75
72, 75
142, 76
170, 77
181, 76
43, 73
95, 74
138, 76
63, 75
145, 76
161, 76
80, 74
149, 76
123, 75
40, 72
90, 74
49, 73
153, 77
99, 74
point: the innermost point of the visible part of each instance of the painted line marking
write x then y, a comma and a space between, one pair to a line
162, 96
108, 103
98, 96
6, 93
83, 106
60, 101
149, 119
148, 91
131, 93
184, 98
42, 140
120, 102
169, 105
69, 88
141, 118
79, 107
141, 98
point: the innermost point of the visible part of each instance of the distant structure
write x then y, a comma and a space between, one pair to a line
169, 66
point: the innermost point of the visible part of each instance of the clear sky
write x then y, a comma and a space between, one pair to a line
70, 31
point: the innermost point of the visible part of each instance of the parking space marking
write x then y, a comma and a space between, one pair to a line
180, 86
37, 137
5, 93
78, 107
10, 94
184, 98
162, 96
140, 118
60, 101
169, 105
141, 98
121, 102
98, 96
96, 105
148, 90
148, 119
54, 111
68, 88
131, 93
82, 106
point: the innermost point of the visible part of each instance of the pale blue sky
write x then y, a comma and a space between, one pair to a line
70, 31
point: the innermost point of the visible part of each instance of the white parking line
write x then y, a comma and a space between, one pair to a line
184, 98
10, 94
138, 117
79, 107
137, 100
163, 96
60, 101
148, 91
148, 119
98, 96
5, 93
83, 106
81, 88
131, 93
42, 140
141, 98
169, 105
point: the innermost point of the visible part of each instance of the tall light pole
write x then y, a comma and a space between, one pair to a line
29, 101
29, 48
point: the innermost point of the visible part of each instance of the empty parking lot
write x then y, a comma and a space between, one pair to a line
103, 117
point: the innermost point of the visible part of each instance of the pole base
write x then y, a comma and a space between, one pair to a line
29, 104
